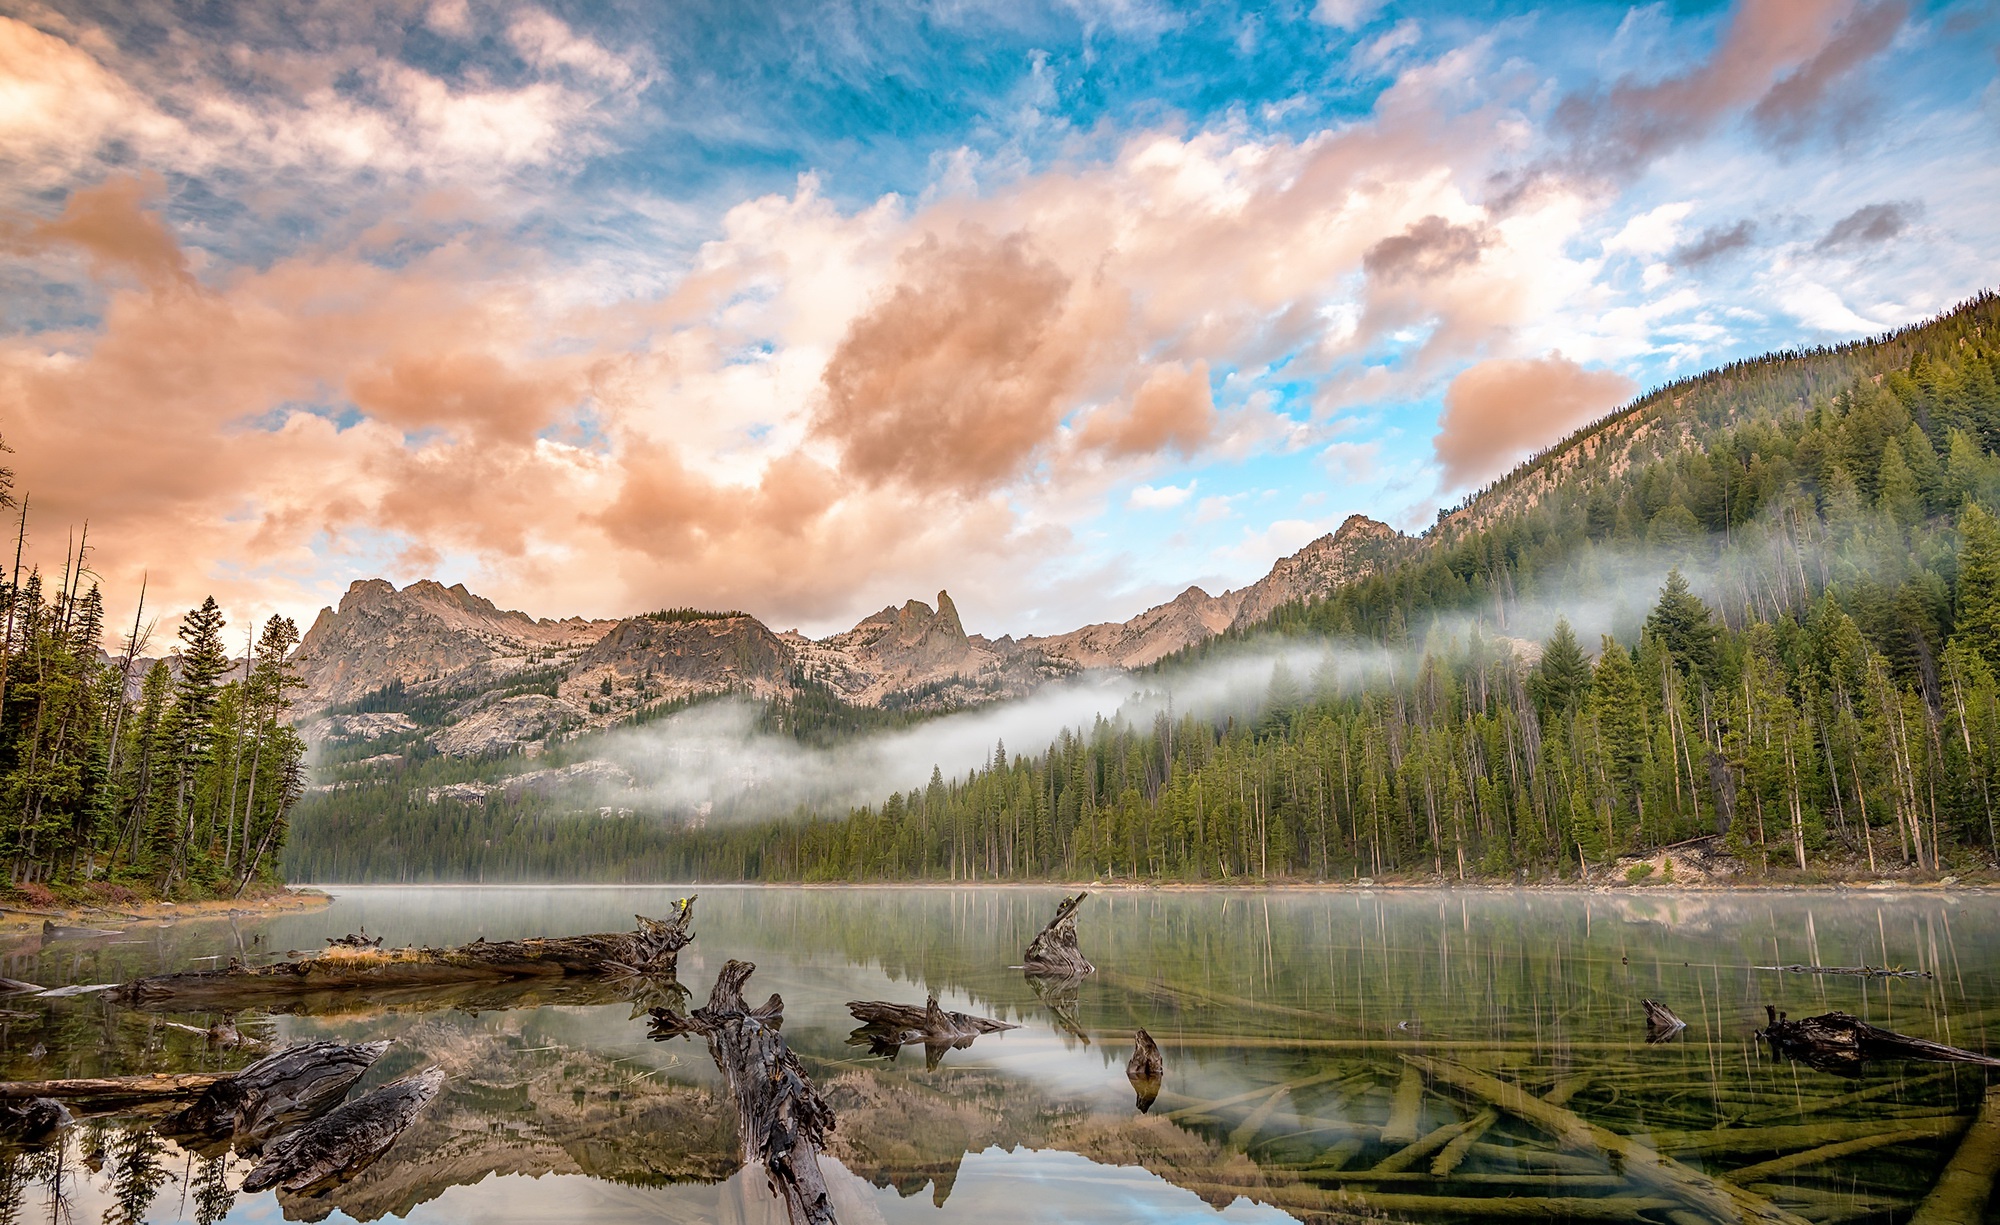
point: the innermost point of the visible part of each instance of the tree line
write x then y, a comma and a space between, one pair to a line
1814, 685
172, 776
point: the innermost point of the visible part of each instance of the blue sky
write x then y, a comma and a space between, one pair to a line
811, 308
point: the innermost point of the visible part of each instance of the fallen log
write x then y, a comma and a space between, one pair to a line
1839, 1043
1054, 949
1854, 971
136, 1088
1145, 1070
783, 1120
355, 940
347, 1140
653, 949
1715, 1200
905, 1023
1661, 1023
1967, 1182
51, 930
273, 1093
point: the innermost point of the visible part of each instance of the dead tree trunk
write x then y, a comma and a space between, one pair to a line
347, 1140
31, 1120
1661, 1023
1145, 1070
1054, 950
1838, 1042
783, 1120
652, 949
273, 1093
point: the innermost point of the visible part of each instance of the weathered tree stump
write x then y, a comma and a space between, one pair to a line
783, 1120
273, 1093
1839, 1043
346, 1140
652, 949
1145, 1070
1661, 1023
1054, 949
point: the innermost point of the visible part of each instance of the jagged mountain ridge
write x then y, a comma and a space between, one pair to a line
501, 680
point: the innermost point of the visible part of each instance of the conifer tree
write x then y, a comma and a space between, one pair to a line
1978, 619
1563, 676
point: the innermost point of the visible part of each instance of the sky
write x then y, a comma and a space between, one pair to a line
807, 309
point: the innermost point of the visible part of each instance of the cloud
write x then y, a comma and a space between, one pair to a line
1788, 112
1429, 248
959, 376
1714, 243
1164, 497
1499, 410
1870, 225
1780, 57
114, 225
1346, 14
1172, 410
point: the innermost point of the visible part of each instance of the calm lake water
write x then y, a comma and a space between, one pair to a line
1286, 1019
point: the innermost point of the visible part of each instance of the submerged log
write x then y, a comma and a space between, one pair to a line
1854, 971
51, 930
347, 1140
1840, 1043
652, 949
1145, 1070
1661, 1023
783, 1120
1967, 1182
1714, 1200
275, 1092
1054, 949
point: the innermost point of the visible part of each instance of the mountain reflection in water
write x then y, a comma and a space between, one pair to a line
1284, 1017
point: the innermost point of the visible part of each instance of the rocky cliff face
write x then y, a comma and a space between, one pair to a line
425, 633
478, 680
1358, 548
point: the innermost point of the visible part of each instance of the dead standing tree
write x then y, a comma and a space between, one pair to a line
782, 1119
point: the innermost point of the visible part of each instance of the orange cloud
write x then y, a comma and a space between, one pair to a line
114, 226
1498, 411
957, 378
1172, 410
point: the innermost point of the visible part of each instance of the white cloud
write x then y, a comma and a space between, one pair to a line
1164, 497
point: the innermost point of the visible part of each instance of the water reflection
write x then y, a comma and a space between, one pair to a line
1284, 1021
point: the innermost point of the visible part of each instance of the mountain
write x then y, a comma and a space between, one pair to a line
444, 665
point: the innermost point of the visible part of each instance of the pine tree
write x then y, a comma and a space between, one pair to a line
1978, 617
1563, 676
1682, 623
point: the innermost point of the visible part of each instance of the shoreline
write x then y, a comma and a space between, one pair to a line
20, 920
1875, 887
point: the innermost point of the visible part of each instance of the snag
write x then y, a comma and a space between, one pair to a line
1839, 1043
886, 1028
1145, 1070
346, 1141
273, 1093
1054, 950
784, 1121
1661, 1023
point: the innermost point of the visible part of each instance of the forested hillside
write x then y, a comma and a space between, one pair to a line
176, 780
1815, 680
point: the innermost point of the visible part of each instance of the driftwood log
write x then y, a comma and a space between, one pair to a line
146, 1088
651, 949
1145, 1070
1661, 1023
782, 1119
274, 1093
346, 1140
1840, 1043
1054, 950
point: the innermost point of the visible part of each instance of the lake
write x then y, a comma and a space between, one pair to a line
1288, 1021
